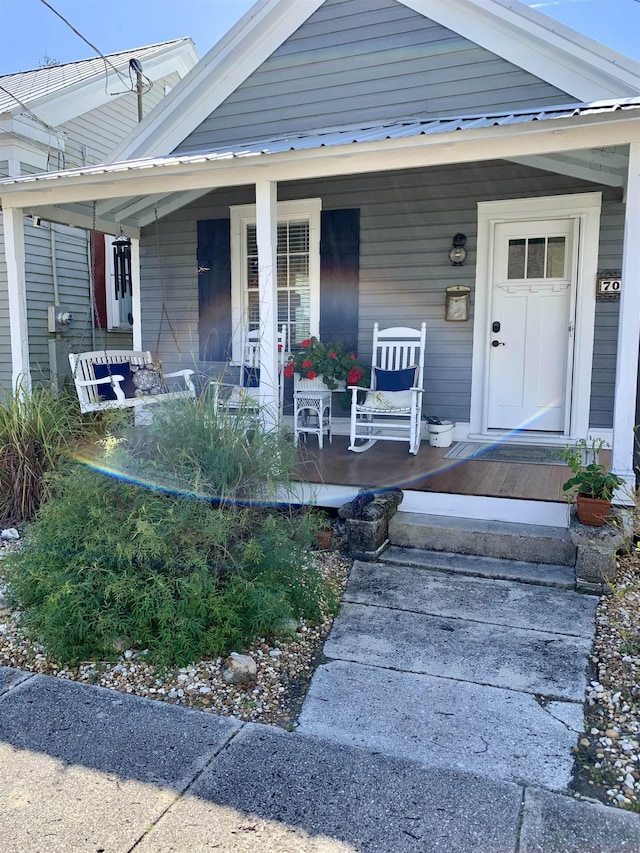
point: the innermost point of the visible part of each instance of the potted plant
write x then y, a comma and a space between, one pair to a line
328, 364
593, 485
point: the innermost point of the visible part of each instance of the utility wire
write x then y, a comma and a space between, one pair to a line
86, 41
29, 111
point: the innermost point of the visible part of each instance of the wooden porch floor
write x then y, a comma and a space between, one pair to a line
389, 464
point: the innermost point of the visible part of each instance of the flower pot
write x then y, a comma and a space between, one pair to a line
324, 539
300, 383
592, 511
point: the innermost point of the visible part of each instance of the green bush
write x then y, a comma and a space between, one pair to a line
227, 457
181, 576
36, 432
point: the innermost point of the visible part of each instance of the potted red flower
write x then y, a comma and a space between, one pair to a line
319, 365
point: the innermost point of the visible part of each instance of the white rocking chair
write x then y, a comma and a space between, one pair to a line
392, 407
244, 395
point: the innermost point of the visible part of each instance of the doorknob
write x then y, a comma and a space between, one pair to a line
497, 343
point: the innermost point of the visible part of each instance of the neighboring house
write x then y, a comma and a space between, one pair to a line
57, 117
345, 143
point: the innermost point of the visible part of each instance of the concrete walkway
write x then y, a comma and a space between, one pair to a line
465, 673
407, 742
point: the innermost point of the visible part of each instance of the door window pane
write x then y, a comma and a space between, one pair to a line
517, 254
556, 257
535, 257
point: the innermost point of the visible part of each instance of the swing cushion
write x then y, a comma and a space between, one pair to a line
105, 391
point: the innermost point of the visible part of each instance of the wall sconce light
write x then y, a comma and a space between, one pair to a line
457, 302
457, 252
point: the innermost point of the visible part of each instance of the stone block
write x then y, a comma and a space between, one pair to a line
367, 522
596, 549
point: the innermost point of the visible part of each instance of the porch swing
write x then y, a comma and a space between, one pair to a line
114, 379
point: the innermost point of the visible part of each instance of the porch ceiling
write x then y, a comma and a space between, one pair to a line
583, 140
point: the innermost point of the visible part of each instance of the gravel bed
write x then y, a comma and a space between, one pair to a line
284, 666
608, 754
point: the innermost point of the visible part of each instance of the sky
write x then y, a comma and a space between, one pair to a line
31, 35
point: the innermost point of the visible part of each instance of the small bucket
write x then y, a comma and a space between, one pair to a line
441, 435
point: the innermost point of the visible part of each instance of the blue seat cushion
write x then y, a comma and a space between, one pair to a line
250, 377
395, 380
105, 391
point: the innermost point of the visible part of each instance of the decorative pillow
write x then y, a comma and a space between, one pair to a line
147, 380
105, 391
251, 377
395, 380
388, 400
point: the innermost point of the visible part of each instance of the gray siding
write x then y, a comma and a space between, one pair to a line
89, 138
407, 221
606, 327
364, 60
71, 261
92, 136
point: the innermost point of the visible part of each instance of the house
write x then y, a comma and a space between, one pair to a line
57, 117
345, 143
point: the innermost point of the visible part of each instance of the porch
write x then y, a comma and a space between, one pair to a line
434, 483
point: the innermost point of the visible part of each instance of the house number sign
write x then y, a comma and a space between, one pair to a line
609, 284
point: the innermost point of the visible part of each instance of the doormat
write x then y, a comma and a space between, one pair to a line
525, 453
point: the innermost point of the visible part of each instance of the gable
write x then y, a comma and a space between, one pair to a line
363, 60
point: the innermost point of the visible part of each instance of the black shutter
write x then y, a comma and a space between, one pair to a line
214, 289
339, 276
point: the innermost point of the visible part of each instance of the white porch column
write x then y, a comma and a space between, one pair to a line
136, 296
16, 283
624, 408
267, 237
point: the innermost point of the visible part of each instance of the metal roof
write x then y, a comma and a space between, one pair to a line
30, 86
373, 132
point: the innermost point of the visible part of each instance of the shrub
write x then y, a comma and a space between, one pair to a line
226, 456
36, 432
181, 576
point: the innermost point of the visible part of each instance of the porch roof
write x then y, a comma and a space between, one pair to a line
134, 190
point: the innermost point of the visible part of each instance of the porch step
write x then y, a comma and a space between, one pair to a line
541, 574
530, 543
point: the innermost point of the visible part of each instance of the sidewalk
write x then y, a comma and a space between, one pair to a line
86, 769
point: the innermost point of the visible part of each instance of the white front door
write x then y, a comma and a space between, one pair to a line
531, 325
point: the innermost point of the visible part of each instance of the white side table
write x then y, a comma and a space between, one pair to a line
312, 414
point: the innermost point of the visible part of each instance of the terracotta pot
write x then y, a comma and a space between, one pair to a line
592, 511
324, 539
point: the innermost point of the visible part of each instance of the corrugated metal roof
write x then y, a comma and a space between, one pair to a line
30, 86
331, 137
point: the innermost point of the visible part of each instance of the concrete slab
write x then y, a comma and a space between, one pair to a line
532, 661
500, 734
556, 824
282, 792
10, 678
502, 539
547, 574
481, 600
91, 768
